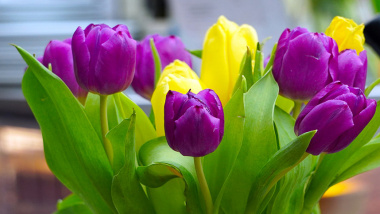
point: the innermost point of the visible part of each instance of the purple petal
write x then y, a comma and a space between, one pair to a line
361, 120
81, 58
196, 133
173, 103
331, 119
115, 68
122, 28
304, 68
361, 75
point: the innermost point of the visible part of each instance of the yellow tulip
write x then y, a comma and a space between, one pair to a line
346, 33
177, 76
223, 49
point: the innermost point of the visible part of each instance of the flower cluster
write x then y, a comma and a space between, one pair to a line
230, 120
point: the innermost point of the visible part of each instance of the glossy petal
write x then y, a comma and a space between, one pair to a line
179, 77
59, 55
346, 33
81, 58
331, 115
360, 121
169, 49
114, 72
197, 133
174, 101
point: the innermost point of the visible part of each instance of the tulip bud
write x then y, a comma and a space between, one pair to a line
339, 113
352, 68
194, 123
168, 48
223, 49
177, 76
304, 63
59, 55
104, 58
346, 33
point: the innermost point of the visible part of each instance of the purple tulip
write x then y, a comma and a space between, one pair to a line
352, 68
104, 58
59, 55
339, 113
194, 123
304, 63
168, 48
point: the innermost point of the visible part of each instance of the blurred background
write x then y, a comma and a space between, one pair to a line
27, 185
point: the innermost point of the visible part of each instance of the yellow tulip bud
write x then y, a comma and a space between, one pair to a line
177, 76
347, 34
223, 49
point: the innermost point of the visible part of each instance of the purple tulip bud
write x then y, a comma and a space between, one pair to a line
194, 123
304, 63
59, 55
352, 68
168, 48
104, 58
339, 113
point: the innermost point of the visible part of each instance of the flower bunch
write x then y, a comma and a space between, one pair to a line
227, 141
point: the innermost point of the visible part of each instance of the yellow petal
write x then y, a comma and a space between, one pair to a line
177, 76
244, 37
214, 69
347, 34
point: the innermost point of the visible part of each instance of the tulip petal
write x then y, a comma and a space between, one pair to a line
59, 55
360, 121
117, 56
361, 75
196, 133
311, 74
331, 115
179, 77
215, 69
174, 101
122, 28
81, 58
245, 36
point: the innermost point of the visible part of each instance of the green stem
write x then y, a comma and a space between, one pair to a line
296, 109
203, 184
104, 125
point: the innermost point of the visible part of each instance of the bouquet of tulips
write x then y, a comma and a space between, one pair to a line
251, 135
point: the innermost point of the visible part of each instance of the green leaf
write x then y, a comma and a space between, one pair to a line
289, 198
75, 209
197, 53
157, 62
365, 159
259, 64
285, 103
229, 148
259, 144
245, 70
69, 201
120, 107
127, 192
157, 152
169, 198
270, 62
371, 87
73, 150
282, 162
332, 163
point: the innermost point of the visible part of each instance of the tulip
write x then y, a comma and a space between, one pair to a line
304, 63
352, 68
223, 49
104, 58
339, 113
177, 76
168, 48
194, 123
346, 33
59, 55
